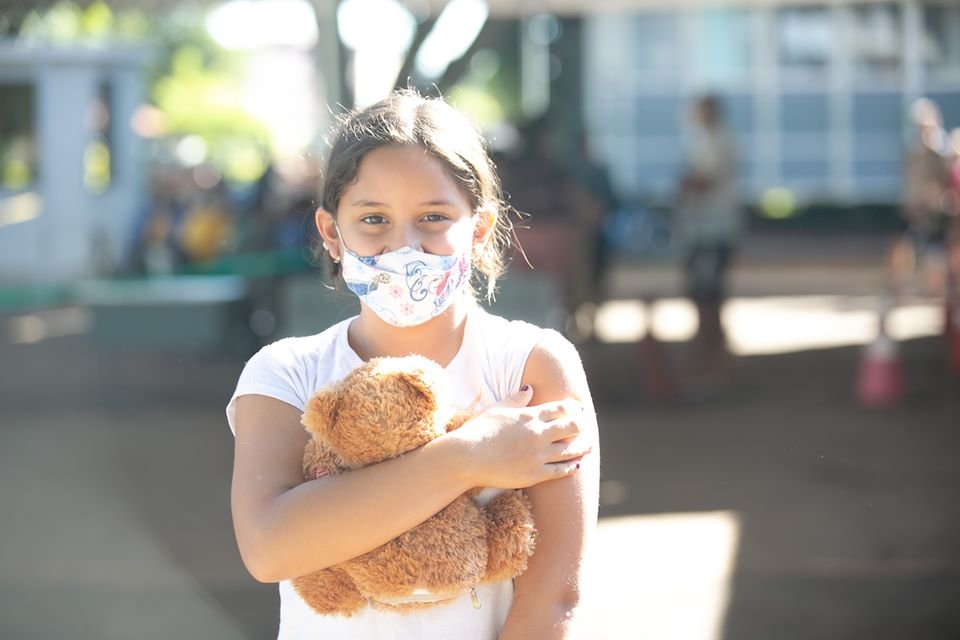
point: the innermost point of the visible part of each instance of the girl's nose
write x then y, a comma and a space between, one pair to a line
409, 237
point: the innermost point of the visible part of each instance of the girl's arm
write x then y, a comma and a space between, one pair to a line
565, 510
286, 527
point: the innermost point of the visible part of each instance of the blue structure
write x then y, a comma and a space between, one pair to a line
62, 225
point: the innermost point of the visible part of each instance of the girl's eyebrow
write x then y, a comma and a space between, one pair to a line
429, 203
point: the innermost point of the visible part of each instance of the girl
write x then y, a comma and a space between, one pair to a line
411, 209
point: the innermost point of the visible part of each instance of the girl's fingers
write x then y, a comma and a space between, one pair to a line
549, 411
562, 469
568, 451
561, 430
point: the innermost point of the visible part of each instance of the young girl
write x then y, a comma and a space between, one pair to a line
411, 210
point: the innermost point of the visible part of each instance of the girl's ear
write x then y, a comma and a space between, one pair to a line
483, 230
328, 233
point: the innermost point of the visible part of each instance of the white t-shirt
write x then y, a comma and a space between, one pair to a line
487, 369
714, 215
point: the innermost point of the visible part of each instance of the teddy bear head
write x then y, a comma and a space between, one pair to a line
384, 408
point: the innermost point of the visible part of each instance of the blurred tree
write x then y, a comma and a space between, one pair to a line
197, 90
194, 84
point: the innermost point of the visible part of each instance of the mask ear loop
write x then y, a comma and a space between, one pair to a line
343, 244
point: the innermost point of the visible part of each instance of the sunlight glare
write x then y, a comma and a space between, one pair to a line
773, 324
249, 24
379, 32
457, 27
663, 576
19, 208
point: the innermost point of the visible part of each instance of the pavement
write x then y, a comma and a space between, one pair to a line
767, 506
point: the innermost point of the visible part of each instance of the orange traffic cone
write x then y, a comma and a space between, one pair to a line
880, 378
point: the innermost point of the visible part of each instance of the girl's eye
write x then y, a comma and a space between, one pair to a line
434, 217
374, 218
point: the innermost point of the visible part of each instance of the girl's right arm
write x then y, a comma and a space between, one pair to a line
286, 527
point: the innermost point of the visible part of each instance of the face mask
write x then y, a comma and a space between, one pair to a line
406, 287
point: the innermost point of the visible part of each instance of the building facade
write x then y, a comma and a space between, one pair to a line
817, 94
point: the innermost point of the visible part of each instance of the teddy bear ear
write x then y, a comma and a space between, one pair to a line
421, 382
319, 413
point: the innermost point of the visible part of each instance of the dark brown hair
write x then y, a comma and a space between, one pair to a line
406, 118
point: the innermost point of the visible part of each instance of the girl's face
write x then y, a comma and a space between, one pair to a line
402, 196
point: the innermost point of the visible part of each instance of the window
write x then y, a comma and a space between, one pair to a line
723, 50
941, 41
98, 157
18, 163
805, 125
804, 113
656, 51
804, 37
877, 120
877, 42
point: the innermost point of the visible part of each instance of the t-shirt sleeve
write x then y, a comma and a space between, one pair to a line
275, 371
519, 339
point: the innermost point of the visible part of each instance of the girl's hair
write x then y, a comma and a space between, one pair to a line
406, 118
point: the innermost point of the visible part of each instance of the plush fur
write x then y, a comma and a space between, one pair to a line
383, 409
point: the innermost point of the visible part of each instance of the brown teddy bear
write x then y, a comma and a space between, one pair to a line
383, 409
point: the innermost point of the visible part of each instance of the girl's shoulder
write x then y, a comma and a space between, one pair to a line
500, 333
292, 369
300, 350
507, 346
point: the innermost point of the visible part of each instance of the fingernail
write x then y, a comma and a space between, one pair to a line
525, 387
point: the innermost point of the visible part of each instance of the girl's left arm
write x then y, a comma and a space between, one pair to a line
547, 596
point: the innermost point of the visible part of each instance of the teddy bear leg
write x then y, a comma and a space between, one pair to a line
510, 535
330, 591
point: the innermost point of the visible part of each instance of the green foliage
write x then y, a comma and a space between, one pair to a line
194, 83
68, 22
201, 95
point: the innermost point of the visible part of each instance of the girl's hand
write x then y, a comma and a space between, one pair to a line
512, 446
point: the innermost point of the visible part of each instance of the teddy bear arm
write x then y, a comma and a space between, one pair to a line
447, 553
511, 535
458, 420
330, 592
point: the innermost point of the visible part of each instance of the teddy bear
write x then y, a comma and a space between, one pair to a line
384, 408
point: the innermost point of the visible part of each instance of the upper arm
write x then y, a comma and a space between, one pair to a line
565, 510
268, 455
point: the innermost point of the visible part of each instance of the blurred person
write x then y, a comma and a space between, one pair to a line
711, 222
410, 211
533, 183
207, 229
918, 253
568, 197
275, 215
154, 249
953, 219
593, 200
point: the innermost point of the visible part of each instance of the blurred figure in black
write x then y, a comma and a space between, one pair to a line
711, 221
926, 180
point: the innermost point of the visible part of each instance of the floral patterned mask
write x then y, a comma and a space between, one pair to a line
406, 287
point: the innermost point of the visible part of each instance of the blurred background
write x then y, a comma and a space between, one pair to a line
744, 213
